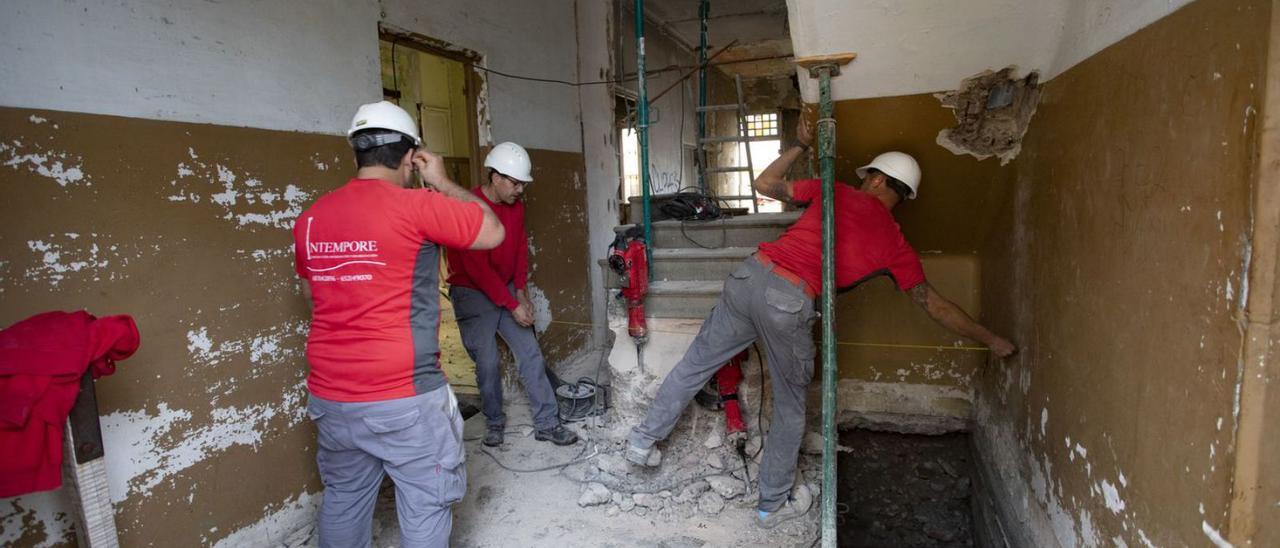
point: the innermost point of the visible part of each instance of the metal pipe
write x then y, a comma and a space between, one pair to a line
704, 12
826, 157
642, 130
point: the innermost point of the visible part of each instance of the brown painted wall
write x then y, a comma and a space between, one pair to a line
151, 229
947, 223
186, 227
1117, 265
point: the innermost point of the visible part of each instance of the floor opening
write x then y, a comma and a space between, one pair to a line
905, 490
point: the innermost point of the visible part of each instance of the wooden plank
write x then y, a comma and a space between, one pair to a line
838, 59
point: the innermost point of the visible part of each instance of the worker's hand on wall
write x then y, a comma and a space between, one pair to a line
431, 168
523, 314
1001, 347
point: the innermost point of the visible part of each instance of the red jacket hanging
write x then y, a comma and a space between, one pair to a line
41, 361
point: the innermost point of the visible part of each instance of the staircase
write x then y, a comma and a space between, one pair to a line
692, 259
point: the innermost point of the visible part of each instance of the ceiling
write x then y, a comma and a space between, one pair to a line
763, 46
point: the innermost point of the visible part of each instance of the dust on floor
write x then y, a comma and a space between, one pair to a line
593, 501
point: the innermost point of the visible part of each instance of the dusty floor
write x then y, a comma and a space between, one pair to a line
561, 507
900, 490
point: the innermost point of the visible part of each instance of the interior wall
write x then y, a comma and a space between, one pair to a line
941, 43
674, 123
1118, 266
186, 225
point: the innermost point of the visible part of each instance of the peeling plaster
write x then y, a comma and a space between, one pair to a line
71, 255
277, 523
148, 448
63, 168
242, 199
38, 520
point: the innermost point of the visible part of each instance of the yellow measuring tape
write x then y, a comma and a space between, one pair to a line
843, 343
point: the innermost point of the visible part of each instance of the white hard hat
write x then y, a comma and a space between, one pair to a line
899, 165
511, 160
384, 115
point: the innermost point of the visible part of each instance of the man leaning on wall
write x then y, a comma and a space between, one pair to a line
770, 297
368, 255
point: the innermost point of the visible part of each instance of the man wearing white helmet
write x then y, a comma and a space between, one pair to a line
489, 290
368, 256
770, 297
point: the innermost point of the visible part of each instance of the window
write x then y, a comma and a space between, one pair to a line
762, 125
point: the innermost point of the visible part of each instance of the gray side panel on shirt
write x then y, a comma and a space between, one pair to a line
424, 319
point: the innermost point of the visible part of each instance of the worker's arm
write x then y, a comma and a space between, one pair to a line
431, 168
772, 181
950, 316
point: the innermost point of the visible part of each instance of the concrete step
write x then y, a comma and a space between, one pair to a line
685, 264
682, 299
740, 231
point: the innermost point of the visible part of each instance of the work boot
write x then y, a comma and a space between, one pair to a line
493, 436
793, 508
558, 435
643, 456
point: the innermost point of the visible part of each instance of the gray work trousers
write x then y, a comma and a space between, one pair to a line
480, 321
415, 440
755, 303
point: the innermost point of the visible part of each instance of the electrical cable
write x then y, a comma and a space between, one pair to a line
577, 459
622, 80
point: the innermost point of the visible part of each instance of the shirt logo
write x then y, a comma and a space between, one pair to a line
356, 251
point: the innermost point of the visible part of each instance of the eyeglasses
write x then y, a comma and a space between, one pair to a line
515, 181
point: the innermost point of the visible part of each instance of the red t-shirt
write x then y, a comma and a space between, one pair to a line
369, 251
868, 240
490, 270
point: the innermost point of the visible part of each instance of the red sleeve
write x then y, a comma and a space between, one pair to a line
806, 190
444, 220
522, 254
475, 263
904, 265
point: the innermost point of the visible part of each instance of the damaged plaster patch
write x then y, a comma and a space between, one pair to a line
992, 110
242, 199
541, 308
62, 167
264, 350
148, 449
276, 525
70, 254
38, 520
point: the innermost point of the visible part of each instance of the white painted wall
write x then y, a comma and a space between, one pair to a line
922, 46
674, 115
599, 147
296, 65
535, 39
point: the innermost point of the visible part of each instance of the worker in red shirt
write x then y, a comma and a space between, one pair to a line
368, 255
770, 297
489, 291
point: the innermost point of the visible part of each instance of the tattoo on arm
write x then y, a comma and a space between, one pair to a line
920, 295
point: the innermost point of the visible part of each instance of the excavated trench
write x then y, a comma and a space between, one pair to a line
905, 490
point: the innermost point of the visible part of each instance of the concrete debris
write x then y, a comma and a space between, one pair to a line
694, 489
812, 444
613, 511
710, 503
993, 110
648, 500
613, 464
753, 447
726, 486
713, 441
627, 504
594, 494
714, 460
